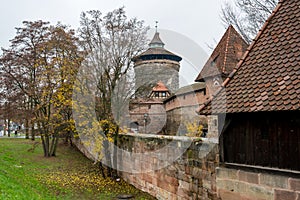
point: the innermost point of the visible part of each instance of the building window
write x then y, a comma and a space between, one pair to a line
214, 61
156, 94
216, 81
163, 94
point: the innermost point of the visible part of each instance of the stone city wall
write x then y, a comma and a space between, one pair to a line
191, 176
236, 184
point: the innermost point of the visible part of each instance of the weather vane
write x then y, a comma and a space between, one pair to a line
156, 22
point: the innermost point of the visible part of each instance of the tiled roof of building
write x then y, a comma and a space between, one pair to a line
156, 50
160, 87
187, 89
190, 88
145, 101
156, 40
268, 76
225, 56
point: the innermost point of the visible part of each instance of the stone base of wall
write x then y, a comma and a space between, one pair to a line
233, 184
191, 176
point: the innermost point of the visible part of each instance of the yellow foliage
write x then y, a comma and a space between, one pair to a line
84, 179
194, 129
108, 128
124, 130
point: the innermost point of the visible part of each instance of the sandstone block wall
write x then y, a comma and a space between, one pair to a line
191, 176
240, 184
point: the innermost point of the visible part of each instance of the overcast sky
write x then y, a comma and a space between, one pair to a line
197, 21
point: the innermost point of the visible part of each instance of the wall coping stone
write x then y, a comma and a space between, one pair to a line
169, 137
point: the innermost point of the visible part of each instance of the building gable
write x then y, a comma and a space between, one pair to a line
268, 76
225, 56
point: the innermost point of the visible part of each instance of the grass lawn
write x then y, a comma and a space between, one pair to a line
28, 175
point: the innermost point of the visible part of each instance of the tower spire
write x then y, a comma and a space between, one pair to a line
156, 41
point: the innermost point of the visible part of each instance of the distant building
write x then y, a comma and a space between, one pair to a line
148, 114
155, 65
160, 91
222, 61
182, 105
157, 86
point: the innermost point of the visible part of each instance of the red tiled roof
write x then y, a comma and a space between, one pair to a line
160, 87
225, 56
268, 76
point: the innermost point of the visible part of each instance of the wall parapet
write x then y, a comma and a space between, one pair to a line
191, 176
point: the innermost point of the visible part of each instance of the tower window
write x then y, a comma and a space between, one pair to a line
156, 94
163, 94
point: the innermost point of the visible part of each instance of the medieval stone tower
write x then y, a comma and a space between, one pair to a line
156, 64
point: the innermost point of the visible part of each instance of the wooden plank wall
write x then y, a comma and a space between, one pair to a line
263, 139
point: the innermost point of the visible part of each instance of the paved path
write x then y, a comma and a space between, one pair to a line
18, 136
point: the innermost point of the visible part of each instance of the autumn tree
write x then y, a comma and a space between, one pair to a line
247, 16
111, 41
40, 66
19, 67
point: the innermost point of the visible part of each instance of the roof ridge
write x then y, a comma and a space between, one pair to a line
226, 48
237, 67
252, 44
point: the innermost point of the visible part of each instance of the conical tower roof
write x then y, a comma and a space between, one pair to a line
156, 50
156, 42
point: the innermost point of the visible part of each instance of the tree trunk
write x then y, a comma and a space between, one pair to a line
115, 154
26, 129
102, 170
8, 126
47, 153
32, 131
68, 138
107, 157
54, 143
44, 145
